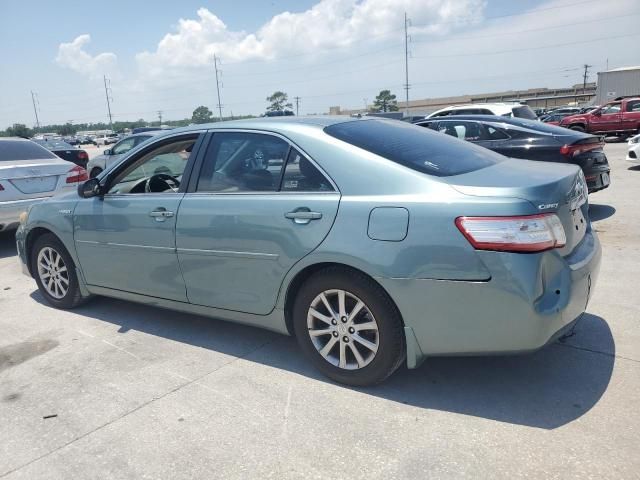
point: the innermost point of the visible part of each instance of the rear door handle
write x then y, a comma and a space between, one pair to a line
303, 215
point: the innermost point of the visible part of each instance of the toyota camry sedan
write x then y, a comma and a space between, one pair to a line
374, 242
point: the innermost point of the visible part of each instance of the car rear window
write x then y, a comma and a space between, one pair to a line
12, 150
524, 112
54, 145
415, 147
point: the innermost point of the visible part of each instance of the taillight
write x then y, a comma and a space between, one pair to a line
531, 233
573, 150
77, 174
82, 155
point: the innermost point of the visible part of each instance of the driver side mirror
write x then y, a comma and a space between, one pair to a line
108, 151
90, 188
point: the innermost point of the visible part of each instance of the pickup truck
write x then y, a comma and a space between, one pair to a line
620, 118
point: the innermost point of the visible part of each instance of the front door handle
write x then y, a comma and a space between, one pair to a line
160, 214
303, 215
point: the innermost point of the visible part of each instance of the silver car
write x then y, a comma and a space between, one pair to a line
111, 155
29, 174
374, 242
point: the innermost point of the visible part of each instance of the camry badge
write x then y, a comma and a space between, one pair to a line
544, 206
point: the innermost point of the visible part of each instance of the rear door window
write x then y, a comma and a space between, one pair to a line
12, 150
301, 175
633, 106
414, 147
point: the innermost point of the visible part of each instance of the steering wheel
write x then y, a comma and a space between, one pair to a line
161, 182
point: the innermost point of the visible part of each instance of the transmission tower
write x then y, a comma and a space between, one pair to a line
216, 62
108, 95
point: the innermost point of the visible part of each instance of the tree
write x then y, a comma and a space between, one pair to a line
67, 129
278, 102
202, 115
386, 102
18, 130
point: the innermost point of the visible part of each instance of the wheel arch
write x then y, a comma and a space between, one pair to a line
30, 240
307, 272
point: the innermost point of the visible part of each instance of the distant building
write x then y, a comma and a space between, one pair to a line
619, 82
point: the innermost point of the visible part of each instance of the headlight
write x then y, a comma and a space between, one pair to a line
634, 140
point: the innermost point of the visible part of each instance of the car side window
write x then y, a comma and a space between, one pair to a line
492, 133
124, 146
429, 125
613, 108
301, 175
158, 170
633, 106
243, 162
470, 131
140, 139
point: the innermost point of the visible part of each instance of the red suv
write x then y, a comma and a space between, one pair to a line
620, 117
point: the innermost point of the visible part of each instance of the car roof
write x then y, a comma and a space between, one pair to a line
274, 124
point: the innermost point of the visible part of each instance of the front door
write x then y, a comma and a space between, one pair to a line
610, 119
259, 206
126, 240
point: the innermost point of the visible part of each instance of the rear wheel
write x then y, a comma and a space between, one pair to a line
95, 171
55, 272
348, 327
577, 128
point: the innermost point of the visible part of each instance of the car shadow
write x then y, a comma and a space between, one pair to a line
599, 212
634, 168
546, 389
8, 244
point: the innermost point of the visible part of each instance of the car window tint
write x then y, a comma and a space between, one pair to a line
430, 125
243, 162
22, 150
470, 131
300, 175
414, 147
170, 159
124, 146
492, 133
633, 106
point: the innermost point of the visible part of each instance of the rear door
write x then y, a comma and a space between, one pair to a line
258, 206
631, 116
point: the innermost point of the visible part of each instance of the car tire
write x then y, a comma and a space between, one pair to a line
577, 128
95, 171
339, 361
49, 257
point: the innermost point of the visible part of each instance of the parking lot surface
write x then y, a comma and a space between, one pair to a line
119, 390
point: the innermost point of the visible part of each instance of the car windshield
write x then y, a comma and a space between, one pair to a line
414, 147
54, 144
12, 150
524, 112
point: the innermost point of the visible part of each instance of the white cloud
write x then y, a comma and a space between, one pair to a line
73, 55
329, 23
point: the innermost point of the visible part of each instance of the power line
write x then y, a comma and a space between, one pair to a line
215, 66
35, 109
107, 92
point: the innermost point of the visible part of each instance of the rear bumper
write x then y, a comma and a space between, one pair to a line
529, 301
10, 211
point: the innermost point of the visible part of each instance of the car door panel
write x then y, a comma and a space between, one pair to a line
120, 244
235, 249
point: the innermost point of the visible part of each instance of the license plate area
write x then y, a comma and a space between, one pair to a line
35, 184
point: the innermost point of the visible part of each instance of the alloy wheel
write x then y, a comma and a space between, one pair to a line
343, 329
53, 272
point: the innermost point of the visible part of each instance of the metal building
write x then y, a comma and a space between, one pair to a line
619, 82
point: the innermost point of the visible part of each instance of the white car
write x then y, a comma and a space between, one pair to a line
633, 155
30, 174
508, 109
106, 139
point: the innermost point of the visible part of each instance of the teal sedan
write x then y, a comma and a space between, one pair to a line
373, 241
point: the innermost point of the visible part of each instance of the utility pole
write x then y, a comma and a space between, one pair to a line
35, 109
160, 117
366, 104
584, 79
215, 66
407, 22
297, 99
107, 91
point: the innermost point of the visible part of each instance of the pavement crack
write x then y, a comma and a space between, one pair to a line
599, 352
139, 407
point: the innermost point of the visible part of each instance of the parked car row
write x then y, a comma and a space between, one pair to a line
285, 224
65, 151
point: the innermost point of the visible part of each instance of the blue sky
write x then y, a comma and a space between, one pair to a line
329, 52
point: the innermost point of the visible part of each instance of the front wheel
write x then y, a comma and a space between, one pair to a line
348, 327
55, 272
577, 128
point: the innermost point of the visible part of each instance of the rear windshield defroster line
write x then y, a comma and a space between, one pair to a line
414, 147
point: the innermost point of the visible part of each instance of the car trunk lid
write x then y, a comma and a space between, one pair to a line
33, 178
